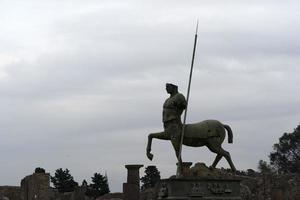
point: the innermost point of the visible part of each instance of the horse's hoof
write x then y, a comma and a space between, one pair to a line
150, 156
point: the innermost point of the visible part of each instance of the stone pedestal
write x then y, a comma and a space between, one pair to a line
199, 189
131, 189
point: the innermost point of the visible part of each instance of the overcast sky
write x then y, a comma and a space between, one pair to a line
82, 83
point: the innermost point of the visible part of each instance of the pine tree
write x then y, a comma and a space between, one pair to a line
63, 181
100, 183
84, 183
99, 186
152, 176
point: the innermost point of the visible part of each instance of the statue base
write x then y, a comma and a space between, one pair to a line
198, 183
199, 189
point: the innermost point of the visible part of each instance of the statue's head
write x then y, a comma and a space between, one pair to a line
171, 88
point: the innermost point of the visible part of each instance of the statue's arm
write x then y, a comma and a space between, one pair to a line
180, 102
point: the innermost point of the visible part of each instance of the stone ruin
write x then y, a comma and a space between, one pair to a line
9, 193
37, 186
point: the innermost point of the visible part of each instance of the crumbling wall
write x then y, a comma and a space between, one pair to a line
77, 194
36, 186
11, 192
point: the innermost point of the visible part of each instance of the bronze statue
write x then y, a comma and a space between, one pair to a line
210, 133
172, 110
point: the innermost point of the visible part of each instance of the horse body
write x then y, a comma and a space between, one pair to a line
210, 133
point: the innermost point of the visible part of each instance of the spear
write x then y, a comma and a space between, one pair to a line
188, 93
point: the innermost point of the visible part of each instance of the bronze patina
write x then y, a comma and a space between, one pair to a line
210, 133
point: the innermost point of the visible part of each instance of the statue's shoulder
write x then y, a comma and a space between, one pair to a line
179, 95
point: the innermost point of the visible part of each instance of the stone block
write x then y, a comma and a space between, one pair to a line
199, 189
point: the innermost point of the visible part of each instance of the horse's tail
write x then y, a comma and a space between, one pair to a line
229, 132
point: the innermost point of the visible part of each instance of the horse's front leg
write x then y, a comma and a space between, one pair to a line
160, 135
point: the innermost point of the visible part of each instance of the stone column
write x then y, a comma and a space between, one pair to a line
131, 189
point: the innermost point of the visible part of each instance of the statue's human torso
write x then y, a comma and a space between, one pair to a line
173, 107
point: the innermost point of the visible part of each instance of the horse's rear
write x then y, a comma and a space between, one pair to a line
210, 133
204, 129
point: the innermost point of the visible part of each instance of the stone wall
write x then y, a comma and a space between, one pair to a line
77, 194
37, 187
112, 196
11, 192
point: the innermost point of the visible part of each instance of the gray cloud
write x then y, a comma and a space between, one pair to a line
82, 83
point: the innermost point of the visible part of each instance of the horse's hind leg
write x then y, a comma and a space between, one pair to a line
216, 148
228, 158
216, 161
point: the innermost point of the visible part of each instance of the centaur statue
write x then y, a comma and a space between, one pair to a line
210, 133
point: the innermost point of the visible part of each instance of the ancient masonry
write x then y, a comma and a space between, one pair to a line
131, 189
36, 186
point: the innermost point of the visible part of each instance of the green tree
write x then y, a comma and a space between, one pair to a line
100, 183
286, 155
39, 170
152, 176
84, 183
63, 181
99, 186
264, 167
